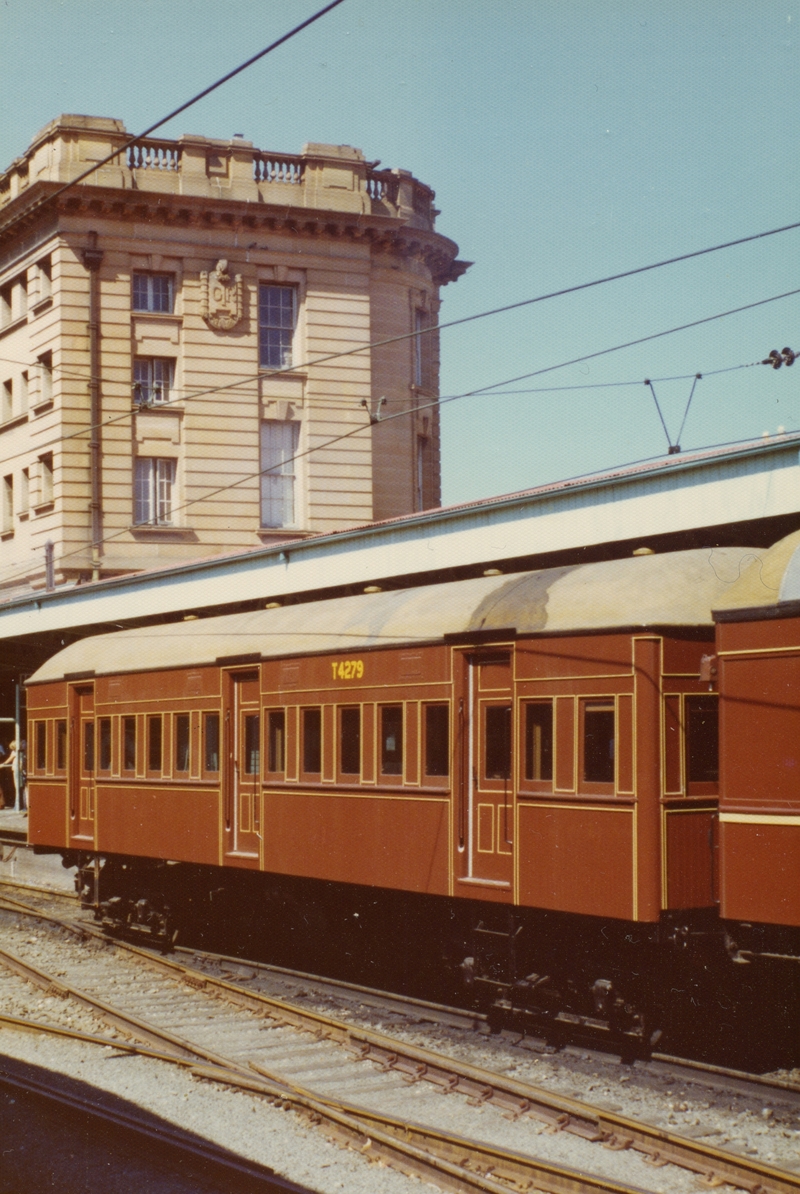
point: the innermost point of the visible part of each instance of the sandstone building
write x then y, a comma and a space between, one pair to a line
159, 324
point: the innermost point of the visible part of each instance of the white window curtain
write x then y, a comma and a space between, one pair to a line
278, 449
154, 483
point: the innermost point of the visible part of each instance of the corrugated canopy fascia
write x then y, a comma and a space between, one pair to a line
677, 589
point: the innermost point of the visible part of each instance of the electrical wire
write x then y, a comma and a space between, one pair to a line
255, 378
436, 404
177, 111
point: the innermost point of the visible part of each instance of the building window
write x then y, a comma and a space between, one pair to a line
13, 300
598, 742
312, 741
7, 400
539, 741
278, 451
45, 362
421, 471
46, 490
154, 481
23, 392
24, 491
8, 503
437, 740
276, 746
350, 741
392, 740
129, 744
419, 340
45, 272
182, 742
277, 315
6, 304
154, 292
153, 379
423, 350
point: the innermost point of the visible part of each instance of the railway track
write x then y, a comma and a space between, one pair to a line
287, 983
301, 1058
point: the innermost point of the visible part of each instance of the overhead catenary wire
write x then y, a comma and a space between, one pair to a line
486, 389
182, 107
433, 404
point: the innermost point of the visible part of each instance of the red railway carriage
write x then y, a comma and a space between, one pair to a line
539, 745
758, 642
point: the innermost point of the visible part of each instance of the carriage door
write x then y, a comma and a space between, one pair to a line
243, 773
491, 790
82, 761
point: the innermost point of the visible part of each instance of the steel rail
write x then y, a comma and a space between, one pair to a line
457, 1164
517, 1098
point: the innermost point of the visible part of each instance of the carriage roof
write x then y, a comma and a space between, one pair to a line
678, 589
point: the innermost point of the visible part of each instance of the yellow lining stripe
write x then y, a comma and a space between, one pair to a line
758, 819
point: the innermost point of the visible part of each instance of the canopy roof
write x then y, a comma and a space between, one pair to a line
678, 589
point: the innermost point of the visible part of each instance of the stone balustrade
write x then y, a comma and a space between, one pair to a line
328, 177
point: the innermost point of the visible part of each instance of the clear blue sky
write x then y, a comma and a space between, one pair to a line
565, 139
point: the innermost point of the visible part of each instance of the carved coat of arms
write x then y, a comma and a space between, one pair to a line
221, 300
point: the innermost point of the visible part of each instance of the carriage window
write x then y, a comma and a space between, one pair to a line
104, 745
61, 746
211, 742
312, 741
392, 740
88, 747
437, 740
497, 741
276, 746
129, 744
252, 745
702, 740
350, 741
181, 741
41, 745
539, 741
154, 738
598, 742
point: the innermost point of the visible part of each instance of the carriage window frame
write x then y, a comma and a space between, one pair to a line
692, 785
529, 780
209, 717
128, 764
40, 747
87, 746
155, 744
496, 743
182, 743
61, 746
590, 784
104, 745
309, 742
434, 744
390, 760
350, 741
275, 753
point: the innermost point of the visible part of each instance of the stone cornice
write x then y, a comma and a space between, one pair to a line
391, 234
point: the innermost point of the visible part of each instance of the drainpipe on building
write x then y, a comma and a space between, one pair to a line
92, 258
